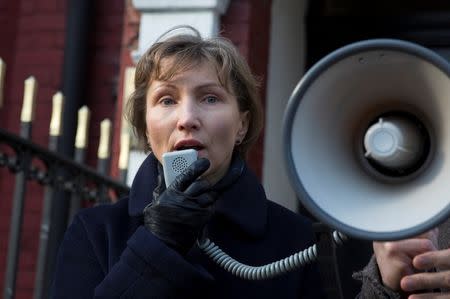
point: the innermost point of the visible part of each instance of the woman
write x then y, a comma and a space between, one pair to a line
200, 94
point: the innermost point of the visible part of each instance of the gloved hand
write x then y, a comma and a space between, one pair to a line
178, 214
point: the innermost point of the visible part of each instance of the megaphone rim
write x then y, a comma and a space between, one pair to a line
299, 91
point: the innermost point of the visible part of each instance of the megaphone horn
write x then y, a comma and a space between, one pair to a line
367, 141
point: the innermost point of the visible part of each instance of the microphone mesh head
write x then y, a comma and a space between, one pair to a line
179, 164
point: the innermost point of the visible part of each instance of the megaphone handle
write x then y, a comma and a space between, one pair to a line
268, 271
326, 258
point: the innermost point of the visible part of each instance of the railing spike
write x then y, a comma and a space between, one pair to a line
29, 99
82, 128
105, 138
57, 110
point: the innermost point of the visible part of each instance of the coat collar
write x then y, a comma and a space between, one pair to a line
243, 203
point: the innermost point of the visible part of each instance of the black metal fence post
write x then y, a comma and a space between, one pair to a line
24, 159
81, 139
47, 237
103, 156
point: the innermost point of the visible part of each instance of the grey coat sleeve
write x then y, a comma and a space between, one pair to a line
372, 287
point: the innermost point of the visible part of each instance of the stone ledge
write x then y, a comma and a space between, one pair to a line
220, 6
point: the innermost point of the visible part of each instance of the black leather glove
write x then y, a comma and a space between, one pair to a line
178, 214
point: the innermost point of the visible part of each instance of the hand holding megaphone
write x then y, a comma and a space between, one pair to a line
395, 259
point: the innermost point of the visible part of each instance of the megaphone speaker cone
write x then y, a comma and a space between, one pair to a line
367, 139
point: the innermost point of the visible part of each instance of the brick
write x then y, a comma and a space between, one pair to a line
106, 55
42, 40
30, 240
104, 72
238, 12
62, 6
40, 57
34, 196
27, 7
42, 75
109, 21
25, 281
32, 221
105, 40
42, 23
45, 95
110, 24
24, 293
47, 6
42, 122
109, 6
236, 32
6, 215
28, 260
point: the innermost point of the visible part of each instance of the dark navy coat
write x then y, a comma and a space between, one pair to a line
108, 253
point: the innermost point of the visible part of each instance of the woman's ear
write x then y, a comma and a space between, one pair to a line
244, 123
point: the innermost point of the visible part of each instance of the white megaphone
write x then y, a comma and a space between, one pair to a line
367, 139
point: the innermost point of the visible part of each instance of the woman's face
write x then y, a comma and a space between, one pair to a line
193, 110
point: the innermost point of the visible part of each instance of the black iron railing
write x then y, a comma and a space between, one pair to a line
31, 162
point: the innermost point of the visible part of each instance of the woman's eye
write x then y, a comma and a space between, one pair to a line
167, 101
211, 99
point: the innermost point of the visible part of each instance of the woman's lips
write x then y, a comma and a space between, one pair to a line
188, 143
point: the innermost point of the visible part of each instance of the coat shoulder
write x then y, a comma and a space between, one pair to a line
105, 211
289, 223
283, 214
108, 218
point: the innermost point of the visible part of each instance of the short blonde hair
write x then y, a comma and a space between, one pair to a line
186, 51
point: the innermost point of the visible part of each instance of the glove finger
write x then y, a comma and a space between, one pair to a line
206, 199
191, 173
198, 187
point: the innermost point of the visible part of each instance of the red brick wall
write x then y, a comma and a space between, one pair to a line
35, 48
247, 25
130, 36
32, 43
104, 61
8, 25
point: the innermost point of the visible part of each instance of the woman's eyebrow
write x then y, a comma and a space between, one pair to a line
164, 84
210, 85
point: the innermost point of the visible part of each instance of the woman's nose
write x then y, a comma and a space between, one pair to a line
188, 116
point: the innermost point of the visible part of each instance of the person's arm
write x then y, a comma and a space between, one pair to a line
372, 285
147, 269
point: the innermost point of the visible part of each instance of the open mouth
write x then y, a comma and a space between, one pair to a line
189, 144
197, 148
